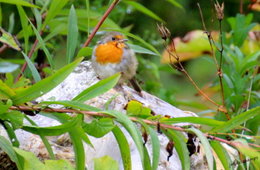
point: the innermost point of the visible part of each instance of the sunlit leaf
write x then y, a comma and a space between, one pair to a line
9, 40
105, 163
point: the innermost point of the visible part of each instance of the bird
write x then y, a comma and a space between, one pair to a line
112, 55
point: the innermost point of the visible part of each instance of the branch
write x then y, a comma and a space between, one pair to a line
92, 113
91, 36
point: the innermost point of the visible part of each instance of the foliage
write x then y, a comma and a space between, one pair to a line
46, 27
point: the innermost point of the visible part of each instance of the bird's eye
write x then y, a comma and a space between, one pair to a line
113, 38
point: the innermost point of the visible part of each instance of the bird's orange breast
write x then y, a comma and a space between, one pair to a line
109, 53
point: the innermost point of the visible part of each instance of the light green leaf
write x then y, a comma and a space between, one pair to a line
105, 163
42, 44
9, 40
99, 88
58, 165
72, 37
54, 9
5, 91
205, 143
236, 121
30, 161
7, 147
124, 148
86, 51
222, 154
19, 2
99, 128
35, 73
141, 50
7, 67
135, 108
44, 85
196, 120
144, 10
180, 146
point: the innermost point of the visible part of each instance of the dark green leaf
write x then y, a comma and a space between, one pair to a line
35, 73
180, 146
206, 146
72, 37
25, 27
236, 121
222, 154
6, 146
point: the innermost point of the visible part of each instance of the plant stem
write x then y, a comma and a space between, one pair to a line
91, 36
150, 122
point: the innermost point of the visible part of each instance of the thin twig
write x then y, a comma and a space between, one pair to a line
3, 48
91, 36
92, 113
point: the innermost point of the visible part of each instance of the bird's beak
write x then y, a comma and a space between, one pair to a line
122, 40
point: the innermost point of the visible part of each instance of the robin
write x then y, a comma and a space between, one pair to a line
112, 55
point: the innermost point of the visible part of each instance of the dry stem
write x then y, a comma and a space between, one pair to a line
91, 36
92, 113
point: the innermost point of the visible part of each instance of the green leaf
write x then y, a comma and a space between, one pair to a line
144, 10
141, 50
25, 27
86, 51
222, 154
124, 147
42, 44
73, 104
54, 9
44, 85
7, 67
105, 163
19, 2
58, 165
5, 91
53, 130
180, 146
206, 146
175, 3
35, 73
132, 130
6, 146
236, 121
99, 127
155, 145
9, 40
10, 132
72, 37
99, 88
253, 154
196, 120
30, 161
14, 117
135, 108
78, 150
